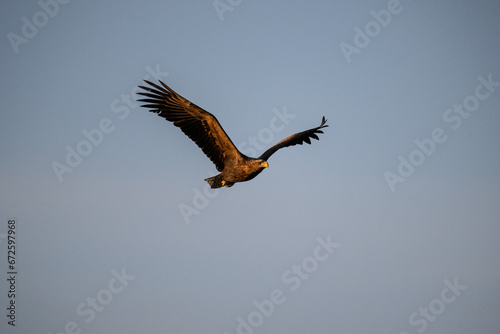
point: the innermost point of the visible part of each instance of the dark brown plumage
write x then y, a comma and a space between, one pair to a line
204, 129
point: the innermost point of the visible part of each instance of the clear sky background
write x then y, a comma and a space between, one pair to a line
132, 241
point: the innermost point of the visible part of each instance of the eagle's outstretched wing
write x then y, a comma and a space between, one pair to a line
199, 125
298, 138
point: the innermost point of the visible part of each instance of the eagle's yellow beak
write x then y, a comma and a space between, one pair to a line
264, 164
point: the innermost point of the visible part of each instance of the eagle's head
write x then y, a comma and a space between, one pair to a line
264, 164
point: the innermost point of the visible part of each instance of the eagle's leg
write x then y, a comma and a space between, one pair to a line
217, 182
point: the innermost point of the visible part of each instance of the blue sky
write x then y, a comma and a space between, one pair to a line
388, 224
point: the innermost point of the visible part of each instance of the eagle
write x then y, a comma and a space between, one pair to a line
205, 130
